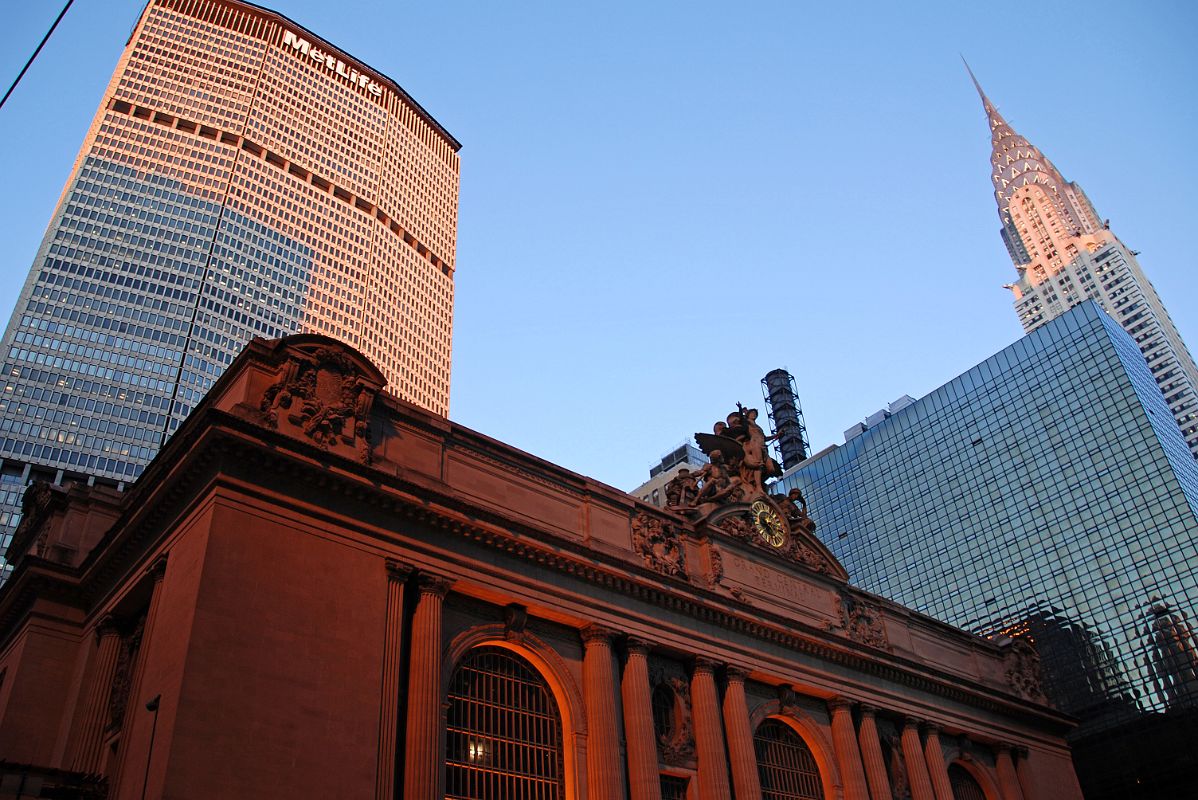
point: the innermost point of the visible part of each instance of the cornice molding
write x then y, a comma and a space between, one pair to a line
229, 438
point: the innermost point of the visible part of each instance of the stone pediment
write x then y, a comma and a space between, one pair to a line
765, 525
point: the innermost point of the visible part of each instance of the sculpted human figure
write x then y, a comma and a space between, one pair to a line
717, 483
682, 489
793, 503
757, 465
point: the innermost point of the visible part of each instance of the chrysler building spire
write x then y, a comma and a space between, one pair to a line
1065, 255
991, 111
1015, 163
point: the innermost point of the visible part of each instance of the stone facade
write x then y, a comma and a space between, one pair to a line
285, 603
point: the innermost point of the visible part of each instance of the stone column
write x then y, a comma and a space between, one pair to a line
741, 752
871, 754
640, 737
1024, 772
1008, 781
604, 781
87, 752
848, 757
937, 769
917, 768
135, 701
709, 733
423, 758
384, 785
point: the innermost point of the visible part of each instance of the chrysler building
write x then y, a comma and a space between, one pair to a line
1064, 254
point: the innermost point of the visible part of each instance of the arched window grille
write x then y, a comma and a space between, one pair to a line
964, 785
787, 768
503, 731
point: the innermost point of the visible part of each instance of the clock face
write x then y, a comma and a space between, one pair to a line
768, 523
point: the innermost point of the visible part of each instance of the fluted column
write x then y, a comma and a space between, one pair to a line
937, 769
86, 757
709, 733
917, 768
1008, 781
640, 737
741, 752
1024, 772
422, 756
871, 755
384, 785
848, 757
603, 736
134, 703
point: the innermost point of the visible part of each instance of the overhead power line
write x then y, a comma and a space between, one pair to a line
29, 63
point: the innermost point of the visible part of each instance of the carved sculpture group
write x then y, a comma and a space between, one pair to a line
658, 545
325, 398
740, 465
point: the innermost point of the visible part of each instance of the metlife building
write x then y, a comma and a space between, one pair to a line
1047, 493
241, 178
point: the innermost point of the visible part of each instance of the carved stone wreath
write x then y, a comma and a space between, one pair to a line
658, 544
676, 747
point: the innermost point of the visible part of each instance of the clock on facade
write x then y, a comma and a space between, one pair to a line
768, 523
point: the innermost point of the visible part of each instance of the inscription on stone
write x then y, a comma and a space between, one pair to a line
765, 581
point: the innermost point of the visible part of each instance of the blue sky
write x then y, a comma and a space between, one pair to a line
663, 201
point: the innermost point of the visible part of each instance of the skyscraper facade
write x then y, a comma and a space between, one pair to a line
241, 178
1044, 493
1065, 254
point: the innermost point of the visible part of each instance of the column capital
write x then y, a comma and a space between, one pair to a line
840, 703
737, 674
157, 568
108, 625
1003, 747
398, 571
597, 633
430, 583
868, 710
637, 645
703, 664
931, 728
912, 722
1022, 752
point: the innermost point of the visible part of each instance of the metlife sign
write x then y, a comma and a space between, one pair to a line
331, 63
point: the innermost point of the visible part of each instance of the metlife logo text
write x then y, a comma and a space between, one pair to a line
332, 63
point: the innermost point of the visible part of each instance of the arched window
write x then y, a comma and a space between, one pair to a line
964, 786
503, 730
785, 764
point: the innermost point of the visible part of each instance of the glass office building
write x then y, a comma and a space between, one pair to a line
241, 178
1047, 492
